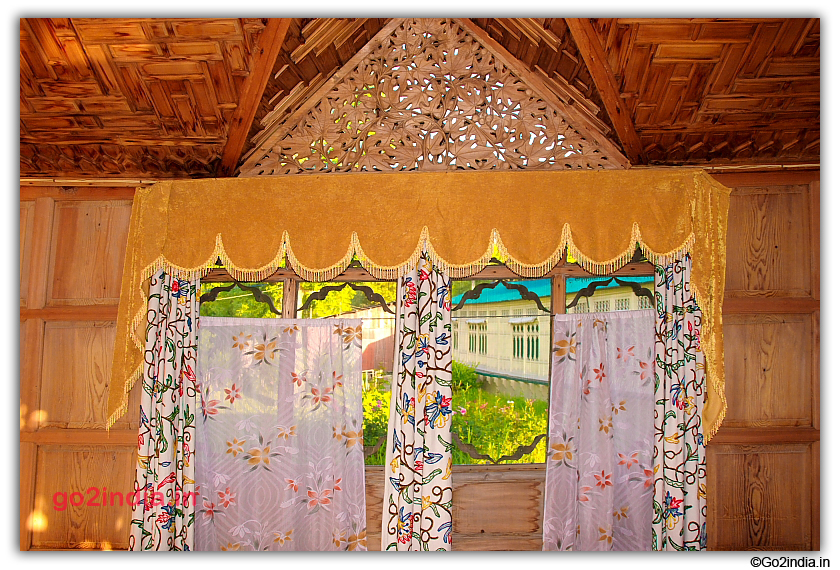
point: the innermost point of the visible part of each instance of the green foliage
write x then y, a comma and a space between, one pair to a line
239, 303
495, 424
338, 302
463, 377
375, 403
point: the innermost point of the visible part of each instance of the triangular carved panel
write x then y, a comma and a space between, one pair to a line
429, 97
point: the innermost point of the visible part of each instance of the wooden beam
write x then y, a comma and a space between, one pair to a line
595, 58
271, 40
279, 129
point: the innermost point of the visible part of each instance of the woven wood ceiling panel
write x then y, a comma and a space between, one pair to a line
130, 97
719, 90
159, 98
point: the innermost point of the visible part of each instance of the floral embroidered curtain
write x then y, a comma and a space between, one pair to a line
417, 508
681, 392
599, 471
280, 462
163, 518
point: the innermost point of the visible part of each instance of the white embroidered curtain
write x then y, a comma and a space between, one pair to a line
280, 463
417, 508
599, 472
163, 506
680, 375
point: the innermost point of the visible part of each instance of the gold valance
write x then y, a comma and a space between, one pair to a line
318, 222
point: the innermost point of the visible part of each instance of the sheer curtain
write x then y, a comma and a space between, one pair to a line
680, 374
417, 508
163, 506
599, 471
280, 462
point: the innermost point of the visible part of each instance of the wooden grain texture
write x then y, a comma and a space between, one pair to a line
68, 469
76, 375
595, 58
130, 96
271, 40
768, 242
760, 497
28, 452
73, 313
27, 218
39, 257
31, 361
768, 370
87, 252
71, 192
479, 492
814, 194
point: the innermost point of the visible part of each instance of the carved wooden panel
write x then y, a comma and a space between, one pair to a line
87, 252
760, 497
768, 242
769, 380
84, 470
27, 217
714, 90
76, 374
430, 97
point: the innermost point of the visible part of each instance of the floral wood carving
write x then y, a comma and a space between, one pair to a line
430, 97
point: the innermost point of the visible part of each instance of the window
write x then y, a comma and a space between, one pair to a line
602, 306
581, 307
644, 303
622, 304
526, 341
478, 337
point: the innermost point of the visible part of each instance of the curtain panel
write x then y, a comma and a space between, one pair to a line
599, 470
680, 379
417, 507
280, 464
317, 224
164, 502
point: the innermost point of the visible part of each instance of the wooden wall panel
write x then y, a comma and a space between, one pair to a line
768, 244
761, 497
27, 217
768, 370
87, 252
76, 374
72, 469
480, 494
498, 507
763, 467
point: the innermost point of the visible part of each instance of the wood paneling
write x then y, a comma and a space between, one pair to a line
76, 374
763, 466
87, 252
768, 370
39, 261
70, 469
498, 508
768, 244
480, 494
27, 218
760, 497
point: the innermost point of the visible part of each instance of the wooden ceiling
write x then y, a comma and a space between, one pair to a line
163, 98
